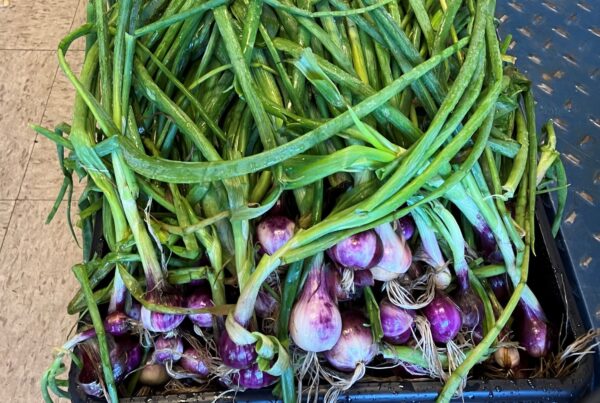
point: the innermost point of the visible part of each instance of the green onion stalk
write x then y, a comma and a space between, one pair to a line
269, 263
400, 177
126, 187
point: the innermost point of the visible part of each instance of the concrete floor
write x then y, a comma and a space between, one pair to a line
35, 259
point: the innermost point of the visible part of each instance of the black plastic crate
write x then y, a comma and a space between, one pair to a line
547, 278
556, 45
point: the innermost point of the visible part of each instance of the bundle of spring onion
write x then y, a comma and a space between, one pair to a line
291, 192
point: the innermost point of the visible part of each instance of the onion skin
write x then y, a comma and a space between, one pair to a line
383, 275
273, 232
471, 308
253, 378
507, 357
445, 318
161, 322
359, 251
395, 322
266, 305
355, 345
396, 256
335, 281
167, 349
195, 362
315, 320
535, 335
117, 323
200, 299
237, 356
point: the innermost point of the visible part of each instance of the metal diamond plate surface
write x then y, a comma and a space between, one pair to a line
557, 44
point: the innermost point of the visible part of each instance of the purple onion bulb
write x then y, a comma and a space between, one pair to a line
167, 349
281, 206
200, 299
125, 356
396, 322
161, 322
117, 323
315, 321
444, 317
359, 251
273, 232
134, 358
128, 351
237, 356
405, 227
195, 362
355, 344
252, 378
477, 333
363, 278
534, 333
471, 308
485, 236
401, 339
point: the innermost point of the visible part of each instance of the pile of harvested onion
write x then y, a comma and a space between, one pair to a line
291, 192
